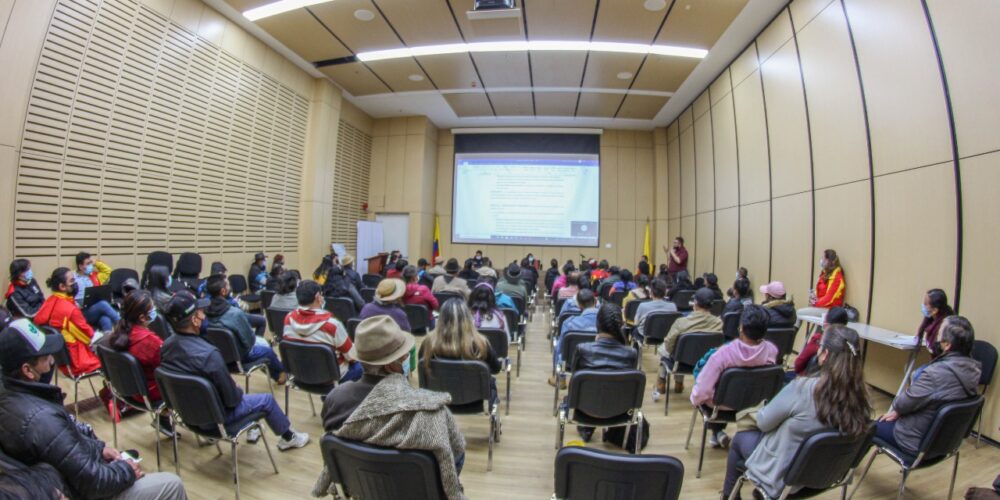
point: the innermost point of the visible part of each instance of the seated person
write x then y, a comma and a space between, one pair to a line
309, 322
659, 303
571, 286
188, 353
712, 283
935, 309
382, 408
779, 309
132, 335
284, 297
438, 269
91, 272
252, 346
609, 351
61, 312
749, 350
682, 281
468, 272
450, 282
511, 283
485, 314
347, 264
562, 279
624, 283
804, 361
339, 284
739, 296
396, 270
586, 321
602, 286
417, 293
272, 277
489, 276
159, 282
951, 376
23, 288
456, 337
640, 292
257, 276
830, 286
700, 320
833, 398
36, 429
388, 301
570, 305
40, 481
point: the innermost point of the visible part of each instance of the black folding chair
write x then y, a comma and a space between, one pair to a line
127, 383
731, 325
118, 278
342, 308
419, 318
717, 306
225, 341
520, 304
632, 307
824, 461
784, 339
161, 327
517, 327
591, 474
312, 368
986, 354
557, 324
443, 297
468, 382
952, 424
567, 349
195, 402
371, 280
738, 389
682, 299
375, 473
655, 327
557, 305
690, 348
157, 258
602, 398
617, 298
188, 269
63, 359
238, 286
276, 321
352, 326
266, 296
501, 346
367, 294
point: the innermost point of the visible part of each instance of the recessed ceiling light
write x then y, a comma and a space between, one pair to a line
533, 45
624, 75
655, 5
416, 78
364, 15
279, 7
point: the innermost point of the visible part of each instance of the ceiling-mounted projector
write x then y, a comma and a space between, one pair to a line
493, 4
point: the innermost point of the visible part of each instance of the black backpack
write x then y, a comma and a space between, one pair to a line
616, 436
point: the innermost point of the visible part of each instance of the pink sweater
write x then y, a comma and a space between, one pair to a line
736, 353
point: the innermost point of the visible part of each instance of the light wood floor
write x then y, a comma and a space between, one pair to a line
523, 461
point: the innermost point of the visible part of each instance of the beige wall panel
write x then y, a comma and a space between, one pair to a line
421, 22
359, 35
967, 38
980, 266
304, 35
557, 69
626, 250
755, 234
672, 131
559, 19
689, 231
665, 74
609, 234
451, 71
187, 13
396, 167
727, 227
601, 105
163, 7
641, 107
724, 151
555, 103
396, 73
700, 105
685, 120
512, 103
645, 183
906, 106
704, 164
626, 21
673, 230
788, 134
706, 244
211, 26
503, 69
774, 36
410, 181
721, 87
674, 179
791, 241
744, 65
843, 223
603, 69
8, 170
355, 78
609, 180
626, 182
699, 24
21, 59
905, 201
835, 112
661, 186
469, 104
751, 137
803, 11
688, 174
445, 178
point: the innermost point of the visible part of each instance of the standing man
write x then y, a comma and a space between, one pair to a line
677, 257
257, 277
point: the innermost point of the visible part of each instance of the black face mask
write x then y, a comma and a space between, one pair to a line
73, 290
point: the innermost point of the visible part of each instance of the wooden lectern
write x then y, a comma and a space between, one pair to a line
377, 262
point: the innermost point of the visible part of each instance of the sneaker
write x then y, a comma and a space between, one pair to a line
723, 439
562, 382
713, 439
657, 395
253, 435
299, 440
283, 378
586, 433
679, 386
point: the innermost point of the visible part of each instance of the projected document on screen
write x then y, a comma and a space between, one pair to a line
526, 199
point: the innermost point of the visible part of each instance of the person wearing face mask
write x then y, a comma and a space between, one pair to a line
159, 282
61, 312
250, 343
91, 272
934, 310
382, 409
311, 323
23, 289
187, 352
257, 276
830, 287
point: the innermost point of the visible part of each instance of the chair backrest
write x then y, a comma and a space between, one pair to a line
826, 457
952, 423
519, 304
371, 280
617, 298
682, 299
352, 326
157, 258
718, 305
783, 338
498, 341
570, 341
592, 474
118, 277
61, 356
342, 308
266, 296
986, 354
632, 307
512, 318
123, 372
276, 320
376, 473
606, 394
559, 304
192, 397
161, 328
310, 363
731, 324
692, 346
740, 388
426, 280
467, 381
443, 297
418, 316
225, 341
367, 294
238, 284
657, 325
189, 265
563, 317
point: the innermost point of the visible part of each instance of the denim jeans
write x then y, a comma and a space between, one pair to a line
253, 403
258, 322
258, 351
353, 373
101, 315
884, 431
740, 450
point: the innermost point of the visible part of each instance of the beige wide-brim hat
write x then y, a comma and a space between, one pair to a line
486, 271
390, 289
347, 260
378, 340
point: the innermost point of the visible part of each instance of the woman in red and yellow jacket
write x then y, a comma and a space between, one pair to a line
61, 312
830, 288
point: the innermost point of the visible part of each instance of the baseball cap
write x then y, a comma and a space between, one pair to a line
22, 341
704, 297
259, 256
774, 289
182, 305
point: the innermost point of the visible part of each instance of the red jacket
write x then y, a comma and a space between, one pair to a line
61, 312
145, 345
830, 289
420, 294
810, 350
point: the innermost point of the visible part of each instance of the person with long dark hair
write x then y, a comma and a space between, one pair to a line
551, 274
339, 284
284, 297
485, 314
158, 284
24, 290
835, 398
934, 309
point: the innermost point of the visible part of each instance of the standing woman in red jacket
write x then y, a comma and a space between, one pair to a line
830, 287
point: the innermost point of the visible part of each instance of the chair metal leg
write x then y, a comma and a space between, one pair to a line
91, 382
177, 462
506, 410
114, 427
520, 347
979, 430
312, 404
76, 398
701, 455
954, 472
555, 399
561, 433
694, 415
156, 440
902, 484
263, 437
493, 426
286, 400
666, 396
733, 495
218, 448
246, 383
236, 468
638, 436
864, 473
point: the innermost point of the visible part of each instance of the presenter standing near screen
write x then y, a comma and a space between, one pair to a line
678, 260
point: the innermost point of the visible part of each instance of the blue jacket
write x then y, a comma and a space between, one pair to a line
584, 322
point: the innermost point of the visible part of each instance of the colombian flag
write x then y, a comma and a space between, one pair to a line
437, 239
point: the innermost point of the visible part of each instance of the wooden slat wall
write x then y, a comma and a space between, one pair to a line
140, 135
350, 184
